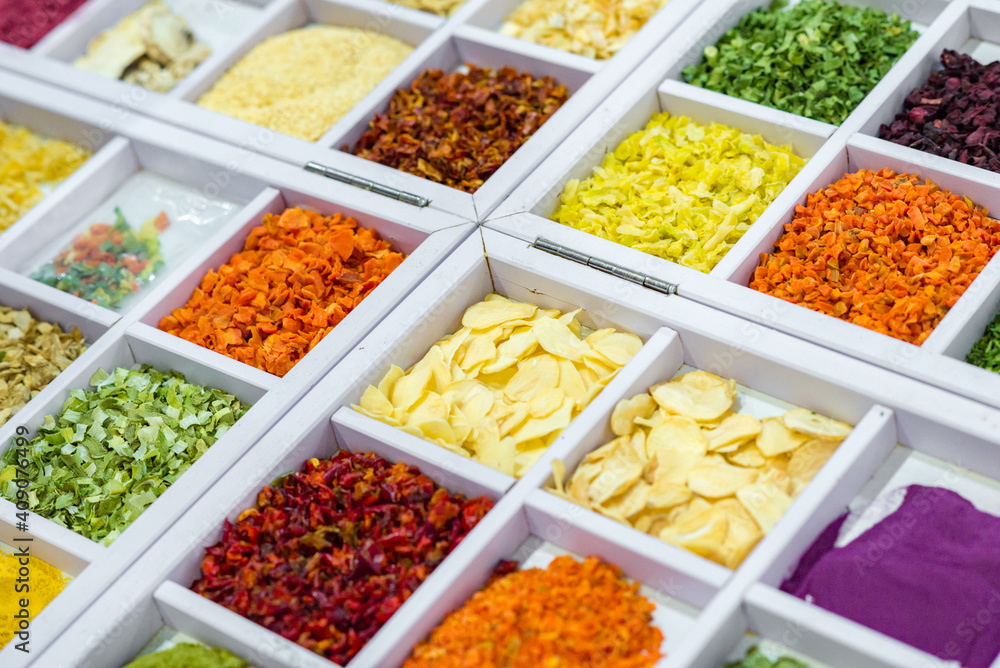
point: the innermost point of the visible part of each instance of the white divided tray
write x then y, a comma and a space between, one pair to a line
236, 26
704, 610
262, 185
970, 26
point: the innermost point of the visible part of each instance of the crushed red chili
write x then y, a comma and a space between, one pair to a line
458, 129
331, 552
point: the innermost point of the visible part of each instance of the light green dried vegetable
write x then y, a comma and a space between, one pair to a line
32, 354
116, 448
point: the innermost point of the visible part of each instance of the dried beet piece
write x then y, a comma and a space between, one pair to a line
954, 114
458, 129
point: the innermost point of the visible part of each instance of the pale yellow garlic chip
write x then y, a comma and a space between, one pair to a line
494, 312
623, 419
557, 339
559, 475
743, 533
572, 383
546, 402
698, 395
542, 427
702, 533
664, 495
748, 455
618, 472
677, 433
517, 346
535, 374
478, 351
813, 424
389, 380
716, 479
473, 398
617, 347
375, 404
631, 502
807, 460
450, 346
734, 430
775, 438
765, 502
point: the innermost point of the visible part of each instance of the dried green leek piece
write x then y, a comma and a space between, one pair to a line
115, 448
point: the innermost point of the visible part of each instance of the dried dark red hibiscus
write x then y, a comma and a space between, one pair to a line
331, 552
954, 114
458, 129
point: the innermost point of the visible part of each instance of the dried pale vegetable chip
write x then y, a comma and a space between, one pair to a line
439, 7
298, 276
29, 165
45, 582
107, 263
593, 28
458, 129
115, 448
331, 552
954, 113
890, 252
32, 354
152, 47
571, 613
688, 468
502, 388
818, 58
679, 190
302, 82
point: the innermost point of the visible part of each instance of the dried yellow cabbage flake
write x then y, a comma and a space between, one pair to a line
679, 190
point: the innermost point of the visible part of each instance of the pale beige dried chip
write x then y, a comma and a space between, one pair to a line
491, 313
623, 419
775, 438
735, 429
748, 455
698, 395
765, 502
716, 479
807, 460
816, 425
557, 339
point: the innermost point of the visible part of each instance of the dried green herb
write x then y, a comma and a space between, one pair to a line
114, 449
757, 659
986, 351
817, 59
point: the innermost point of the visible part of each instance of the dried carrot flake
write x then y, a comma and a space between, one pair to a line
890, 252
298, 276
569, 614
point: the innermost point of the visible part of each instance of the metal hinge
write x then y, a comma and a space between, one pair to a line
607, 267
366, 184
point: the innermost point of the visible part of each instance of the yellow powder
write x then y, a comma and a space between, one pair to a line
302, 82
28, 163
46, 582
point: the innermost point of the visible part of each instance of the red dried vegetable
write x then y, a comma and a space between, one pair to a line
331, 552
298, 276
458, 129
954, 114
886, 251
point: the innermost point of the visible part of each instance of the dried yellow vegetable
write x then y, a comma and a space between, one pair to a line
593, 28
439, 7
28, 165
32, 354
696, 473
502, 388
679, 190
302, 82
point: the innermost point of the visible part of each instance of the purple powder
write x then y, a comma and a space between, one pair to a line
928, 575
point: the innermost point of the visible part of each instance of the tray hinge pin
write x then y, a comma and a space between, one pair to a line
366, 184
636, 277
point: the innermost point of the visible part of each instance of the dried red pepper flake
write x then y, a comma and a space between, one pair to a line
330, 552
458, 129
299, 275
569, 614
886, 251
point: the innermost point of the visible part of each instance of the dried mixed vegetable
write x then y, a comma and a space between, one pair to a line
439, 7
954, 113
458, 129
890, 252
331, 552
818, 58
299, 274
502, 388
755, 658
593, 28
571, 613
29, 164
302, 82
45, 582
189, 655
152, 47
689, 469
32, 354
114, 449
107, 263
985, 352
679, 190
24, 23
